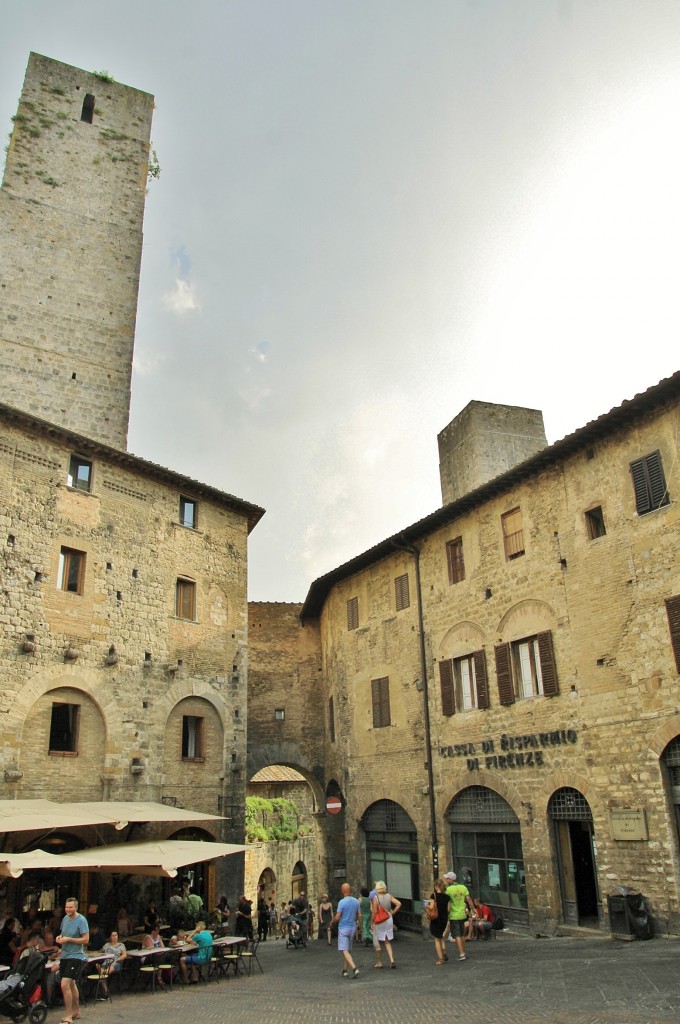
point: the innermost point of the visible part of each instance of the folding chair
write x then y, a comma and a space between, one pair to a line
101, 979
233, 959
250, 956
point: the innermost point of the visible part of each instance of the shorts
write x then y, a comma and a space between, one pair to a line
194, 958
345, 941
457, 927
71, 967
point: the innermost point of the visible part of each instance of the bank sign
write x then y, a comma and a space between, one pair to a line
510, 751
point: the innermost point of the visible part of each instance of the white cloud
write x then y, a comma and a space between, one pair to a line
181, 299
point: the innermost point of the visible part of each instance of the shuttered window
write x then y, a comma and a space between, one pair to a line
331, 719
464, 683
454, 560
513, 533
380, 693
401, 592
353, 613
185, 599
649, 483
526, 668
673, 612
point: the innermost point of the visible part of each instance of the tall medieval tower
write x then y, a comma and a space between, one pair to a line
71, 214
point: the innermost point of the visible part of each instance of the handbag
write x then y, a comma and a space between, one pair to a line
380, 915
432, 911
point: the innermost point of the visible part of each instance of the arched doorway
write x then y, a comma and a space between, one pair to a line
199, 877
486, 842
298, 881
670, 759
392, 857
49, 890
573, 832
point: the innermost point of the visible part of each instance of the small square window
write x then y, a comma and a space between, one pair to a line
64, 729
454, 560
353, 613
401, 592
187, 512
192, 738
513, 534
71, 571
185, 599
595, 523
79, 474
279, 714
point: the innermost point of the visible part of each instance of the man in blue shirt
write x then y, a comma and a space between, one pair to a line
204, 941
73, 939
347, 916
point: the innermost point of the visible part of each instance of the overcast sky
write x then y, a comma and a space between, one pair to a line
371, 212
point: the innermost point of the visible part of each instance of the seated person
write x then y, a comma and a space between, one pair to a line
33, 941
482, 923
204, 941
115, 948
179, 939
154, 941
97, 938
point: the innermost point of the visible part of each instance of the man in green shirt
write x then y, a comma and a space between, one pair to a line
460, 899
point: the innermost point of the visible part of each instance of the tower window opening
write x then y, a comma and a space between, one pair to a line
88, 108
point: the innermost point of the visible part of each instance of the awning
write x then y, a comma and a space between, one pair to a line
45, 815
160, 857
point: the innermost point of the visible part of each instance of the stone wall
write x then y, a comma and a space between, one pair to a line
73, 197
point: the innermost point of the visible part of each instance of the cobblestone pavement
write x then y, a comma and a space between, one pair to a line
512, 979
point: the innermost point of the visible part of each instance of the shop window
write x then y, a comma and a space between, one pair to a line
380, 695
464, 683
513, 533
526, 668
185, 599
71, 571
353, 613
79, 474
595, 523
192, 738
673, 613
454, 560
401, 592
188, 512
649, 483
64, 728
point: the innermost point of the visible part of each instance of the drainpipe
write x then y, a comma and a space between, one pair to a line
426, 708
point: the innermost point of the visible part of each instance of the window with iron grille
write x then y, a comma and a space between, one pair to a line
401, 592
595, 523
568, 804
353, 613
526, 668
185, 599
454, 560
673, 613
464, 683
71, 571
331, 718
649, 483
513, 533
380, 695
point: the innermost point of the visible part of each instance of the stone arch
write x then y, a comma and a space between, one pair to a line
183, 688
86, 681
193, 746
568, 780
488, 780
79, 771
525, 618
460, 639
286, 754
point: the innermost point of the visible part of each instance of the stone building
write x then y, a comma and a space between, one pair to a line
500, 682
123, 609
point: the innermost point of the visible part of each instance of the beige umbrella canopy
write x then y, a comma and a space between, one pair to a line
43, 815
160, 857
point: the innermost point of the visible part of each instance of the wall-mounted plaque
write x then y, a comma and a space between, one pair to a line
628, 823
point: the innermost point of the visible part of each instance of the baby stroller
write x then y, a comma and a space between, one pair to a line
297, 932
21, 991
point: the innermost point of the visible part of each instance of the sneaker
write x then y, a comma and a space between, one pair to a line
344, 974
356, 972
450, 938
462, 958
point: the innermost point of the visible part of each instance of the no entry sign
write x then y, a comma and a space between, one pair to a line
333, 805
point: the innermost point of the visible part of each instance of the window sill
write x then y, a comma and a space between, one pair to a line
62, 753
191, 529
178, 618
193, 760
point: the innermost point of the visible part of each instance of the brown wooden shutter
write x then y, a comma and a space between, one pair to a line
479, 658
506, 694
548, 667
331, 718
446, 680
673, 612
353, 613
380, 694
401, 592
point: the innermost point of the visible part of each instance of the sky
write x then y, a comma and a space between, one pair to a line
370, 213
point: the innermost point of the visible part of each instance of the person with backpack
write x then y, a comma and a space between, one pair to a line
481, 923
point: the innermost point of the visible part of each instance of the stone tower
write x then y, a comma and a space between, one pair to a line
71, 213
483, 441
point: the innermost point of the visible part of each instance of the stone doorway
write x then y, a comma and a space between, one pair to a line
575, 849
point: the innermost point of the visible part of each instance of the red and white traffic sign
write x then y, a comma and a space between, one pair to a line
333, 805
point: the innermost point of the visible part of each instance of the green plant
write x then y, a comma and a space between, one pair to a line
154, 168
276, 819
57, 91
104, 75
